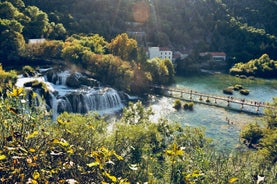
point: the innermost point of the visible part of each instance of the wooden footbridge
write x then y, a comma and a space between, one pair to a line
190, 95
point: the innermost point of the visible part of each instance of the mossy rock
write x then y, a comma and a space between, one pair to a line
244, 91
243, 76
228, 90
188, 106
28, 71
34, 84
238, 87
177, 104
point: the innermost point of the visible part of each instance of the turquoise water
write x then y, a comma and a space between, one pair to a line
215, 119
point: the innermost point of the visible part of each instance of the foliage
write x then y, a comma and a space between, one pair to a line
19, 23
177, 104
7, 80
271, 115
109, 69
12, 42
188, 105
161, 70
252, 133
264, 138
242, 29
130, 150
269, 146
29, 71
262, 67
78, 47
124, 47
49, 49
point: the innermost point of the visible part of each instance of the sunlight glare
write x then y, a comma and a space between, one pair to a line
141, 12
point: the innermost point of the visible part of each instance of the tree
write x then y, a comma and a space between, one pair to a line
37, 26
17, 3
95, 43
7, 10
12, 42
124, 47
73, 52
56, 31
252, 133
162, 70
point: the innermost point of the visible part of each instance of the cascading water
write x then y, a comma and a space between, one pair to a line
80, 100
101, 100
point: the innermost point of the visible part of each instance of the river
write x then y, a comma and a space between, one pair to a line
223, 125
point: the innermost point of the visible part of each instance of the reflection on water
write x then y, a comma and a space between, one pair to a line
223, 125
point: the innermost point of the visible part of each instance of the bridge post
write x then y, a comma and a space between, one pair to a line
200, 98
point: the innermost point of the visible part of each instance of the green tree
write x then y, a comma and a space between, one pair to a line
12, 42
252, 134
161, 70
73, 51
17, 3
124, 47
7, 10
56, 31
37, 26
269, 146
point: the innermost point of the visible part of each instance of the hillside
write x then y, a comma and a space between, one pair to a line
243, 29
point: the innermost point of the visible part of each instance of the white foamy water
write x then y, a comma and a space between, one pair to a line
81, 100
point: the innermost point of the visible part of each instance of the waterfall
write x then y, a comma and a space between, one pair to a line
54, 105
103, 100
62, 76
86, 98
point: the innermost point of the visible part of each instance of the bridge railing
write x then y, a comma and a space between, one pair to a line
229, 99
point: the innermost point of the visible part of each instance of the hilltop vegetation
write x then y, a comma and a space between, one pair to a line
205, 25
243, 29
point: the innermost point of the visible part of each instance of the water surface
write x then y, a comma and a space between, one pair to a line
223, 125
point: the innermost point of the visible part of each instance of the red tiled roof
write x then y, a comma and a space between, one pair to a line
164, 49
217, 53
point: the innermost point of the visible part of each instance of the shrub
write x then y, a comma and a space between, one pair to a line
28, 71
177, 104
251, 134
188, 106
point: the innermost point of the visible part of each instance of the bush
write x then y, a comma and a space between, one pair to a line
28, 71
133, 149
261, 67
177, 104
251, 134
188, 106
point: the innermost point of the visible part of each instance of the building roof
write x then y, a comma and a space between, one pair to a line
217, 53
164, 49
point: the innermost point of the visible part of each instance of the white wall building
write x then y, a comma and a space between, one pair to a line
36, 41
159, 52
